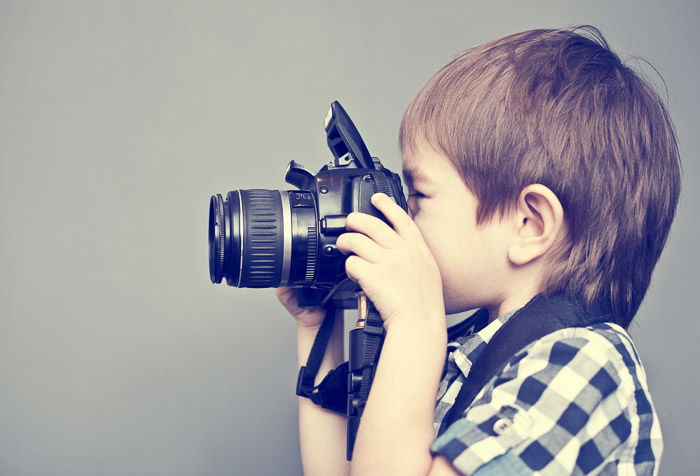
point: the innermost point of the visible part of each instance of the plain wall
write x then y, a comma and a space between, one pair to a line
118, 120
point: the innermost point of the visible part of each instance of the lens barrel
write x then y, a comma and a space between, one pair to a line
250, 238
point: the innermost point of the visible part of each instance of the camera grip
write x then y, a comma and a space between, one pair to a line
363, 187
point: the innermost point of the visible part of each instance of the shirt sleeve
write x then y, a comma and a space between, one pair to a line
559, 406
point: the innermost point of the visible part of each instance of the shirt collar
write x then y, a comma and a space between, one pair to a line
472, 345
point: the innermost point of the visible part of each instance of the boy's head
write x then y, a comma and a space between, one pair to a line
554, 168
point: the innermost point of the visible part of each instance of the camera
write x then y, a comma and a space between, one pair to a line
260, 238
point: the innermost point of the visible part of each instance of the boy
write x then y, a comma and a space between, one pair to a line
539, 168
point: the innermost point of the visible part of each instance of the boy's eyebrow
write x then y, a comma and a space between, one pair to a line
412, 175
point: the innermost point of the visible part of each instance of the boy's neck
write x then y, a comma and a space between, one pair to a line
511, 302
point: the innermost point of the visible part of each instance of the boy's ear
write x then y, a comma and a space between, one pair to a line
539, 222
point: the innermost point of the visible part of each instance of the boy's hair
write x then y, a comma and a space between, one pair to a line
554, 107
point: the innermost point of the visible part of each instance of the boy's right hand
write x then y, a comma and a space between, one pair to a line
307, 317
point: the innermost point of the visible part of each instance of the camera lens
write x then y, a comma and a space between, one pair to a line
253, 235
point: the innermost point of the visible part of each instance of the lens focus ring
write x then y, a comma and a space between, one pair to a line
263, 247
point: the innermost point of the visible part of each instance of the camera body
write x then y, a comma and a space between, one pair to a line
263, 238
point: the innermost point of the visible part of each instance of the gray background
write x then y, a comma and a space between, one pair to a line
118, 120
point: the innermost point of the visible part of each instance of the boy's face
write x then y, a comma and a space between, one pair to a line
472, 260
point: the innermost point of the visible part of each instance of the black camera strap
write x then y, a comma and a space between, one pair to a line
332, 392
366, 341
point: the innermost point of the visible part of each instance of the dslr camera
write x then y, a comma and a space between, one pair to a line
260, 238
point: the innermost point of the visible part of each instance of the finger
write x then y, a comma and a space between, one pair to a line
373, 227
361, 245
356, 268
396, 215
287, 297
283, 293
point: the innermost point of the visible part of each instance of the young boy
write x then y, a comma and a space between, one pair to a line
539, 168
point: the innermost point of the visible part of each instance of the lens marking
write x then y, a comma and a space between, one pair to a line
241, 227
220, 218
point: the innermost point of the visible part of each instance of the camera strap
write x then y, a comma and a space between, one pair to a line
366, 341
332, 392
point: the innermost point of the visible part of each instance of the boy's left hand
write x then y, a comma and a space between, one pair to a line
394, 267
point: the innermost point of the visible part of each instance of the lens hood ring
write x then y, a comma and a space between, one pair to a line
217, 237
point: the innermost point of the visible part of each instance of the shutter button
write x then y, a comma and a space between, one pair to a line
502, 425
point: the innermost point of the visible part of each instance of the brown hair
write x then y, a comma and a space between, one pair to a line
552, 106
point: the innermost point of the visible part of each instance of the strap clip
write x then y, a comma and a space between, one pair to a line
304, 389
331, 393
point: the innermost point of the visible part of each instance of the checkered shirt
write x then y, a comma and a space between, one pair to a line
573, 402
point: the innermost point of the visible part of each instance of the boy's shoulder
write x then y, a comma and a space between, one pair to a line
597, 392
575, 400
586, 364
607, 345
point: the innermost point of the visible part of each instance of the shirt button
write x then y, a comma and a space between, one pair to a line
502, 425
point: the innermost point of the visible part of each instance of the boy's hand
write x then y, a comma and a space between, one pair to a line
308, 317
394, 267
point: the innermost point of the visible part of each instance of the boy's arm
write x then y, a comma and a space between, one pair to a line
396, 429
322, 433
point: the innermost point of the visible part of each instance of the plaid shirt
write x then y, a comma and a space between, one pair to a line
573, 402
